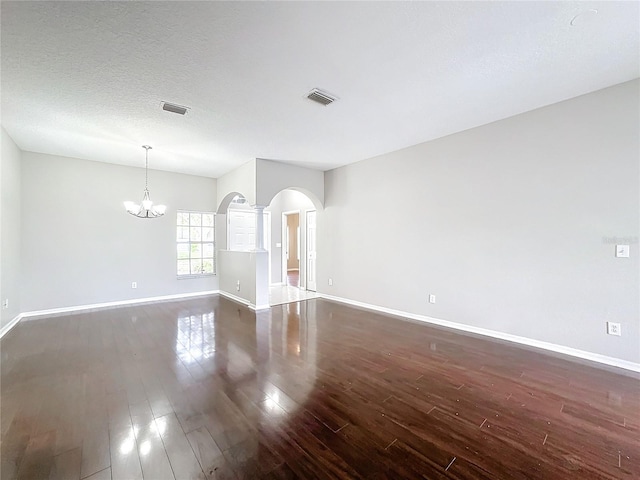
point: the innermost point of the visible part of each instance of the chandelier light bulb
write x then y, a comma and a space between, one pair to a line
131, 207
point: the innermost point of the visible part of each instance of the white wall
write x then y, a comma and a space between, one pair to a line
79, 246
9, 228
508, 224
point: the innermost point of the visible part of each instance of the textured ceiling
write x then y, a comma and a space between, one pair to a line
85, 79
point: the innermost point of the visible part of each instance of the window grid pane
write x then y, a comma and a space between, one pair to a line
183, 234
207, 265
183, 267
196, 266
183, 251
196, 234
183, 218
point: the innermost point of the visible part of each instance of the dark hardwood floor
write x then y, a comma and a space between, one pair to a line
205, 389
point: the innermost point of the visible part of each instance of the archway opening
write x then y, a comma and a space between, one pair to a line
292, 247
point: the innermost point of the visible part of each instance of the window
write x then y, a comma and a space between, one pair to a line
195, 235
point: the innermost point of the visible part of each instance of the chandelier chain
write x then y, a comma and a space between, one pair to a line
146, 166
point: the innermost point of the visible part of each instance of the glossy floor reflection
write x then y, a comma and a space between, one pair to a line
205, 389
279, 294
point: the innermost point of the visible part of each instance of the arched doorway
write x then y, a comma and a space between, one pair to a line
292, 247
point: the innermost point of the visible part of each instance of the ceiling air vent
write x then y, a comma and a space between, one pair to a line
173, 108
321, 97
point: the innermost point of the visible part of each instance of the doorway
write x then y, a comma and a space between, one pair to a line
294, 248
291, 250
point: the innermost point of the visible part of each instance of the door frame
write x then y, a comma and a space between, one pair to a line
306, 252
283, 254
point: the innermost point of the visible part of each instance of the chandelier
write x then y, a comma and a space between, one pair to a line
147, 209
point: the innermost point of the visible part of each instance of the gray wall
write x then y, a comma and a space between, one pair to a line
9, 228
79, 246
236, 267
508, 224
273, 177
240, 180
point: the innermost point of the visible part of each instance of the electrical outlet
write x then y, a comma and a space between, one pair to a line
5, 304
622, 251
614, 329
432, 299
134, 284
331, 282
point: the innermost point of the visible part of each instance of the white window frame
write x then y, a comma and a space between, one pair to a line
192, 241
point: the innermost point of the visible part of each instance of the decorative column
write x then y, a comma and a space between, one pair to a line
261, 259
259, 228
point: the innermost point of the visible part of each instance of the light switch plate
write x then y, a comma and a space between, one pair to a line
622, 251
278, 245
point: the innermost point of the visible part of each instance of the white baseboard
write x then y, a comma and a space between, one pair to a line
118, 303
573, 352
242, 301
4, 330
32, 315
235, 298
259, 307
